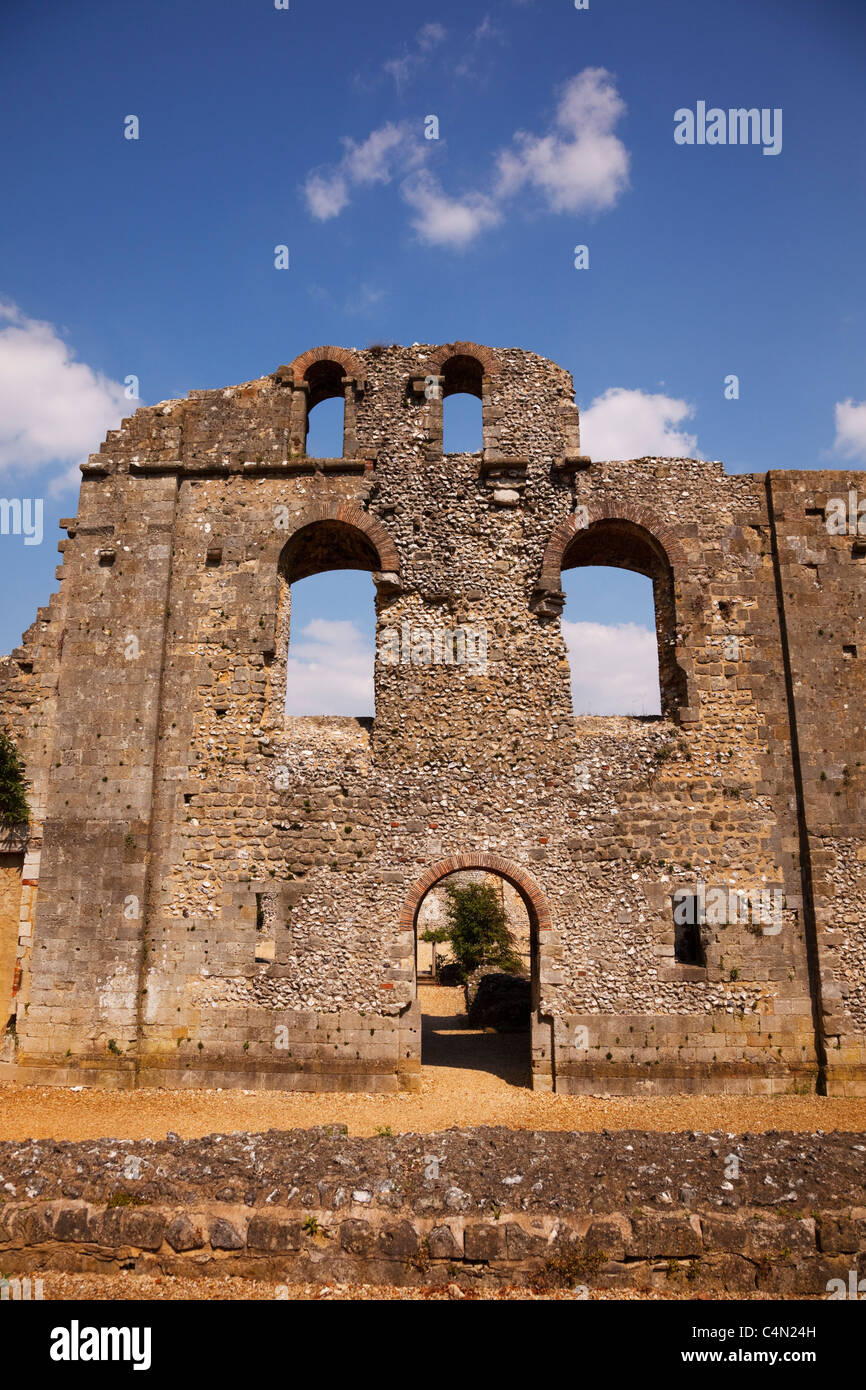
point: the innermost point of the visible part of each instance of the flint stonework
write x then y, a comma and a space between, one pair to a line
213, 894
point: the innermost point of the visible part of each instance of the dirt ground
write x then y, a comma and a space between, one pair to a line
163, 1288
468, 1078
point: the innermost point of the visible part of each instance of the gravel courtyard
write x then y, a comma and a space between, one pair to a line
469, 1078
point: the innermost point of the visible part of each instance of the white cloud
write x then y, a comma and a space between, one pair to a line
364, 299
372, 161
624, 424
387, 151
326, 194
475, 57
53, 410
400, 69
429, 36
580, 166
443, 221
614, 669
330, 670
850, 439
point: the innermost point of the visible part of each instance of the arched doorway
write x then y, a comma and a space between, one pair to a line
482, 1029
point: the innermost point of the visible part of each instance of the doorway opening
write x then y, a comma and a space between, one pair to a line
477, 1021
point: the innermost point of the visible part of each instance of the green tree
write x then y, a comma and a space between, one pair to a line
14, 810
477, 930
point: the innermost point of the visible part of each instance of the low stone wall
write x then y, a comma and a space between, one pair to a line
296, 1051
481, 1206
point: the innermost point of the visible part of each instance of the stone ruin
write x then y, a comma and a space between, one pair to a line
210, 893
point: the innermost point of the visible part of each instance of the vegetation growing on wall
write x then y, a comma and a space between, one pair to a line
14, 810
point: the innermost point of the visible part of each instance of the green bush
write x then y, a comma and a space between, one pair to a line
477, 930
14, 810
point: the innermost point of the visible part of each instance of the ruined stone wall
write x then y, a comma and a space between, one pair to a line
228, 896
28, 700
822, 585
482, 1207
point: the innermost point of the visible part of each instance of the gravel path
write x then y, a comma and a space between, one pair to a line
469, 1078
163, 1288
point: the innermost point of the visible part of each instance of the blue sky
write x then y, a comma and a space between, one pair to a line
306, 127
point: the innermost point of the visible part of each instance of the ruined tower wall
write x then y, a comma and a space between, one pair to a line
697, 799
228, 896
822, 595
28, 701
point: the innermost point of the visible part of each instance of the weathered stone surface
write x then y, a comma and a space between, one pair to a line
184, 1234
138, 1227
593, 1213
224, 1235
844, 1233
271, 1234
357, 1237
208, 886
521, 1244
71, 1223
481, 1242
608, 1238
655, 1237
442, 1245
399, 1242
303, 1170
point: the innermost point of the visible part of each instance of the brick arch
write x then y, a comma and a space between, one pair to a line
352, 515
486, 356
352, 365
565, 531
534, 899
